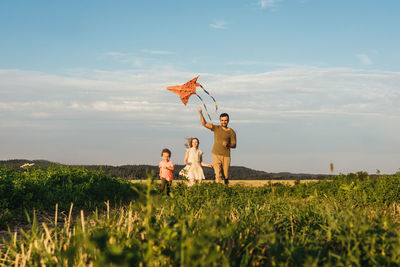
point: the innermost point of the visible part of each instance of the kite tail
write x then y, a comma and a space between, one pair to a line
216, 105
204, 104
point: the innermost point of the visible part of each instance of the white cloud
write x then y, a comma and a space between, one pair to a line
364, 59
219, 24
247, 63
157, 52
296, 90
293, 106
41, 115
23, 106
115, 54
267, 3
137, 63
138, 59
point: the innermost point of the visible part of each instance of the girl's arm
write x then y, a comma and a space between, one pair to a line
170, 166
204, 164
185, 161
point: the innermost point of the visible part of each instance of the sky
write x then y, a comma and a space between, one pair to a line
306, 83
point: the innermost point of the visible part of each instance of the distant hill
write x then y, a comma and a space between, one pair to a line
139, 171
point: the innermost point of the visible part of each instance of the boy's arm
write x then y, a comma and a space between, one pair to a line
203, 121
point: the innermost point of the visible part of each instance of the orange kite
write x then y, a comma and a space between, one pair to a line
186, 90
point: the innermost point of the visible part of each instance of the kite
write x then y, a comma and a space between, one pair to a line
186, 90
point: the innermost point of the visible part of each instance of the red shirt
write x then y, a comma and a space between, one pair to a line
164, 172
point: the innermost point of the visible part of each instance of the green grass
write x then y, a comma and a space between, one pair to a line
22, 192
349, 221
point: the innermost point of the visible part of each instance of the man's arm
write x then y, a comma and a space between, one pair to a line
203, 121
229, 145
232, 143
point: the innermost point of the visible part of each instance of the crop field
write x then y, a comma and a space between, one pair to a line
78, 217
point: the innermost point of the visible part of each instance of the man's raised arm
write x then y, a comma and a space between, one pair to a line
203, 121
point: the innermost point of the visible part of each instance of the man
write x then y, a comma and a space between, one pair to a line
224, 140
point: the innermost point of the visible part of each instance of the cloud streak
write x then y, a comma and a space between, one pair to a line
157, 52
267, 3
219, 24
364, 59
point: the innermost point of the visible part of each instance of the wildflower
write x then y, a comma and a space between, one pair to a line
27, 166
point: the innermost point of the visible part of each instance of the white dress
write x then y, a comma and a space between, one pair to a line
195, 171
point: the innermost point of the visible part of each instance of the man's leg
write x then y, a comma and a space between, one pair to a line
226, 162
217, 165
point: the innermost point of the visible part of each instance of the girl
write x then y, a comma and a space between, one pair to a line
166, 167
194, 162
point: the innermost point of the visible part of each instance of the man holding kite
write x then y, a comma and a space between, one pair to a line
224, 137
224, 140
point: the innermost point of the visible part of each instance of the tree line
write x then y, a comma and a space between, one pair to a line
137, 172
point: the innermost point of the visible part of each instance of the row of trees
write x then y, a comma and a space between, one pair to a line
140, 171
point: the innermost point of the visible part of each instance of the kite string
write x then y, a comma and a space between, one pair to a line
205, 107
216, 105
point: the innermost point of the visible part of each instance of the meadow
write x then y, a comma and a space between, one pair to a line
350, 220
255, 183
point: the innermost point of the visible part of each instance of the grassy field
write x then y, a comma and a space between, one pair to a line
347, 221
255, 183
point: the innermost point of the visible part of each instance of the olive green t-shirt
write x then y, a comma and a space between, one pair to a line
221, 135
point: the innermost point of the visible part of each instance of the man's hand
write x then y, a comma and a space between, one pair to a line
225, 143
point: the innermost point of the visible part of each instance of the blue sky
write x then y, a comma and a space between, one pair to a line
306, 82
